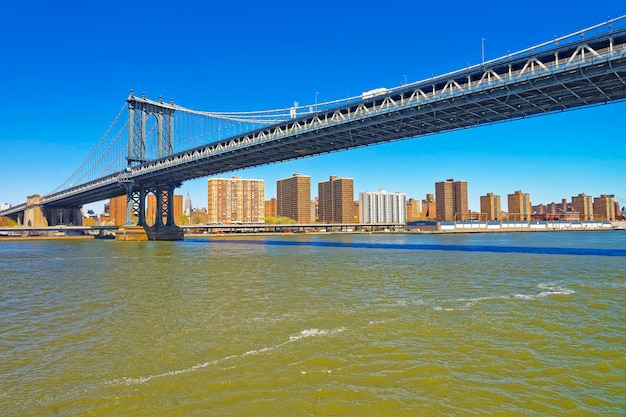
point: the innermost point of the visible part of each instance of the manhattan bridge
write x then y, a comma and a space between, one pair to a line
153, 146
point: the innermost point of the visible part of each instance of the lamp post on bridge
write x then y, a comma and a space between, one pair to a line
483, 50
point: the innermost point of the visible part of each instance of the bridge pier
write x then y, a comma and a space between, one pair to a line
164, 209
38, 215
57, 216
33, 213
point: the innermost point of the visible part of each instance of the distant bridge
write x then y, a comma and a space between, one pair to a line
154, 146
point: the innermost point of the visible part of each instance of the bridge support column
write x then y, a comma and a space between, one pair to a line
140, 206
33, 213
170, 206
68, 216
135, 206
158, 212
129, 205
164, 209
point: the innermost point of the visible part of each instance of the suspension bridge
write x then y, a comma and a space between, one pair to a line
153, 146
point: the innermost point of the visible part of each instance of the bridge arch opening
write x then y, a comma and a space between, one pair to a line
150, 212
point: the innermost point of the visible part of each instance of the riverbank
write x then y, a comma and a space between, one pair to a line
16, 238
426, 228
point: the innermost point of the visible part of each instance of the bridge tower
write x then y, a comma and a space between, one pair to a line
140, 110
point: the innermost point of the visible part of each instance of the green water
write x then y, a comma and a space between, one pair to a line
350, 325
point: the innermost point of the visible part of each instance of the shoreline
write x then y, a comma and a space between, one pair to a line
5, 238
17, 238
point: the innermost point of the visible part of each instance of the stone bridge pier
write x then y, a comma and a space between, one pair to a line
33, 213
37, 214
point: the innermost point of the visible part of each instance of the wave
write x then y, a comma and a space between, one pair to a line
547, 291
302, 335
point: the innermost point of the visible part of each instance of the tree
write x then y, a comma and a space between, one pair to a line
279, 220
7, 222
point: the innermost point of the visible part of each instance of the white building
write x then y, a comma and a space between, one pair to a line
382, 207
5, 206
187, 206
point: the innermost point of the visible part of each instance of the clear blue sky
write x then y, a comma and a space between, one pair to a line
67, 68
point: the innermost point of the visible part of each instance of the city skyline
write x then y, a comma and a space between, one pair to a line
61, 56
465, 207
241, 200
521, 201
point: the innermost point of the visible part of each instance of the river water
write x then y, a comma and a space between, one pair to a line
519, 324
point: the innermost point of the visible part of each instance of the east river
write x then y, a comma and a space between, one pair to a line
519, 324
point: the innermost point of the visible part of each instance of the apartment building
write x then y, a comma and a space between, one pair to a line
293, 198
336, 200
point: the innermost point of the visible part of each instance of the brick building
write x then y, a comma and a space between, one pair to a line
293, 198
490, 207
236, 200
336, 200
451, 200
519, 206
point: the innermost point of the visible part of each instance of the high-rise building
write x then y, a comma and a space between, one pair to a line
270, 208
187, 207
336, 200
315, 208
236, 200
413, 211
293, 198
490, 206
583, 204
604, 207
519, 206
117, 210
382, 207
429, 207
451, 200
